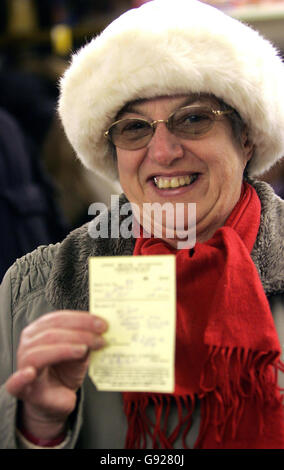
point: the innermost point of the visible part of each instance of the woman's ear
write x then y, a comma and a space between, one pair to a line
247, 145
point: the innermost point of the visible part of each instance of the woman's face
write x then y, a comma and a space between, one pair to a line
214, 162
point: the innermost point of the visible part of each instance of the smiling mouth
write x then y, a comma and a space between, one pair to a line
174, 182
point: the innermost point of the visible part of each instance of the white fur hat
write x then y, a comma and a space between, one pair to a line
167, 47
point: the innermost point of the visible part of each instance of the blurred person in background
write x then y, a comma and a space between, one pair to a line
29, 213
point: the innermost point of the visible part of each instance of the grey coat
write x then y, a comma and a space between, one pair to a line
56, 277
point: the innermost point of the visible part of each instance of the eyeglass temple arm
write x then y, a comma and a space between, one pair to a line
218, 112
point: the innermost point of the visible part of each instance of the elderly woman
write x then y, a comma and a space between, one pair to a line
184, 104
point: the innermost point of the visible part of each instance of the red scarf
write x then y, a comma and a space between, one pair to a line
227, 349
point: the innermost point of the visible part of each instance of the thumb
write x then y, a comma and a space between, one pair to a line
17, 382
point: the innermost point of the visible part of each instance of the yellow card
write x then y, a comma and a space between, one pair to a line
137, 296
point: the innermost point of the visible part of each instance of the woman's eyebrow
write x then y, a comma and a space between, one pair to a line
203, 100
190, 100
130, 108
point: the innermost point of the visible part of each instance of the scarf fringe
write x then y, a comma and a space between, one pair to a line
232, 377
140, 425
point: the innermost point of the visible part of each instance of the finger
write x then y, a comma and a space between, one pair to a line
61, 336
67, 319
17, 383
43, 356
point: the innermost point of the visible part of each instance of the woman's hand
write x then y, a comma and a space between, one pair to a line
52, 362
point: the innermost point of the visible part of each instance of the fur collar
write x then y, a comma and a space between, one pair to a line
67, 287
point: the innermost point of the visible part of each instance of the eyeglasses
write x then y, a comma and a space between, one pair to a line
189, 122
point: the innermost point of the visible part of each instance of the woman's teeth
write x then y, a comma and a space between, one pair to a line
175, 181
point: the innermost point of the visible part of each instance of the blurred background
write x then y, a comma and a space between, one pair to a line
44, 191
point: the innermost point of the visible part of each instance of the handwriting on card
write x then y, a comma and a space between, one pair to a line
137, 296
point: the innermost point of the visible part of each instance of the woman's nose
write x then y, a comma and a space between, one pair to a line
164, 146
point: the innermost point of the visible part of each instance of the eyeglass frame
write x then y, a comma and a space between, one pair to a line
153, 124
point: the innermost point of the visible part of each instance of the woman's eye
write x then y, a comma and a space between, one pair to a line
135, 126
192, 118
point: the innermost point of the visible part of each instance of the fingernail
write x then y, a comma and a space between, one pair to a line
99, 342
80, 349
29, 371
99, 324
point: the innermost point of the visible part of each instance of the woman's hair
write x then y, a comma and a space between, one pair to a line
237, 124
